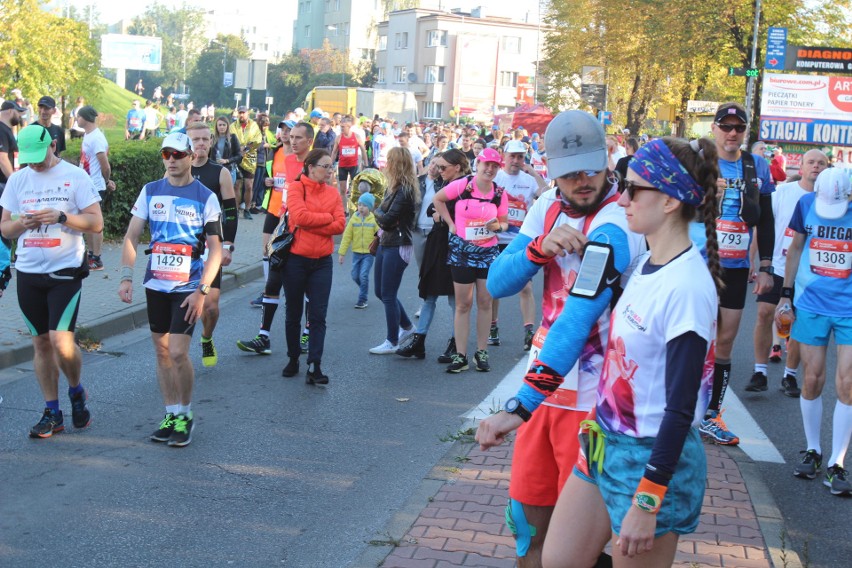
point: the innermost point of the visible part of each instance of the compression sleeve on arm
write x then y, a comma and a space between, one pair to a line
229, 219
766, 228
569, 334
511, 271
684, 367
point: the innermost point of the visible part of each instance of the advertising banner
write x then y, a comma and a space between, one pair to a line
141, 53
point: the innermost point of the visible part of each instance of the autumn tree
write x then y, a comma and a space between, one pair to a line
28, 47
206, 80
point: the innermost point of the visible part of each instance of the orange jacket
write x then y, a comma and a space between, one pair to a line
317, 211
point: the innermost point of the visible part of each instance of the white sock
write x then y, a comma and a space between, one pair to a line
789, 371
841, 431
758, 368
266, 268
811, 418
185, 410
173, 409
263, 332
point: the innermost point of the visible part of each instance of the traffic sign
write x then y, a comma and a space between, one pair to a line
605, 117
743, 72
776, 48
227, 79
238, 97
594, 94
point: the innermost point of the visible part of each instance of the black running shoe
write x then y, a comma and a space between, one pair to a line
481, 358
164, 432
757, 383
259, 344
292, 368
837, 479
447, 355
315, 376
810, 465
528, 337
790, 386
182, 433
494, 335
303, 342
209, 356
459, 364
51, 422
80, 415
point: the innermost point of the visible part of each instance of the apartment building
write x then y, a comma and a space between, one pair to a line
349, 25
465, 60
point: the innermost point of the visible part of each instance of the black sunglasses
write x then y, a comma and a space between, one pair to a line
740, 128
630, 188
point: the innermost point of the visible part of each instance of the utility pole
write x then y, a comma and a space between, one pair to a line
750, 94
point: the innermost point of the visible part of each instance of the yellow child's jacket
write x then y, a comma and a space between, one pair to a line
359, 233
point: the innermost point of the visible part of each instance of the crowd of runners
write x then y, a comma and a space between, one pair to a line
647, 261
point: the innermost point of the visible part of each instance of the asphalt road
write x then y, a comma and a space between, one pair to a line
817, 523
278, 472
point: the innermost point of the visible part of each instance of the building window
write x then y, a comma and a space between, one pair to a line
434, 74
346, 28
328, 5
436, 38
508, 78
433, 110
399, 74
380, 75
383, 42
308, 6
511, 44
336, 5
307, 31
402, 40
332, 32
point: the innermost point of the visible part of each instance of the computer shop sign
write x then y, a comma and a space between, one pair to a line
806, 109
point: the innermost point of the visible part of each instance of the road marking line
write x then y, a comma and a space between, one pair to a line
753, 440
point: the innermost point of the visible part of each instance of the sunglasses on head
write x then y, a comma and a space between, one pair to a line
176, 154
575, 175
740, 128
631, 187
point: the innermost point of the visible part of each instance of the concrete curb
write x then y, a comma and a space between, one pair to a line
402, 521
127, 319
769, 517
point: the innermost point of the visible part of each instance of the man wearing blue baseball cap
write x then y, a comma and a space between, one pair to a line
47, 207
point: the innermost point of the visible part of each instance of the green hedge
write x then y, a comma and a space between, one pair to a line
134, 163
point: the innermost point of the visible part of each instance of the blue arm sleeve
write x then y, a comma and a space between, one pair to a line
510, 272
570, 332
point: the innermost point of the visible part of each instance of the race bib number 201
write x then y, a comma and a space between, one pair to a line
171, 261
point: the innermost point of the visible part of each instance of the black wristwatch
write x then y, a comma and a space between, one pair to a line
204, 289
514, 406
787, 292
62, 218
766, 269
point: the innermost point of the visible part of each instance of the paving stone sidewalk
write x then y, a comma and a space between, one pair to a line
463, 524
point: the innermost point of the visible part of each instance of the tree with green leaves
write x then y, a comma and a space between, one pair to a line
30, 41
206, 81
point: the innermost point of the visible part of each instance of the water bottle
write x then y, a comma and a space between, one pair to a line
784, 321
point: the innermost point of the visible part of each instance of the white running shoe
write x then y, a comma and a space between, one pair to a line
386, 348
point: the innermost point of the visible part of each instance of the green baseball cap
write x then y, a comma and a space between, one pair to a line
33, 143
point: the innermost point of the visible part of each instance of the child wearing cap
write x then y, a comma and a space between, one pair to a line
359, 232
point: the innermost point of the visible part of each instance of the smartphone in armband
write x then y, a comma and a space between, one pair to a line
597, 271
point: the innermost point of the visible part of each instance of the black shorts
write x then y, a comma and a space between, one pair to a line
774, 295
165, 314
468, 275
345, 174
244, 174
736, 287
269, 223
48, 303
217, 282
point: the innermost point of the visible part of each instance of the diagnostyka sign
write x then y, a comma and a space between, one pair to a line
825, 59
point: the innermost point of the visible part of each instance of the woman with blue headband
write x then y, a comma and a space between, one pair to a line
640, 477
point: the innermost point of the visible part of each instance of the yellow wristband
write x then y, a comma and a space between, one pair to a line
649, 496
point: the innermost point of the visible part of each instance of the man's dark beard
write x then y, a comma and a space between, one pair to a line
592, 207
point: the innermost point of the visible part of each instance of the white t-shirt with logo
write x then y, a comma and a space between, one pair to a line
784, 202
50, 247
93, 144
520, 191
654, 309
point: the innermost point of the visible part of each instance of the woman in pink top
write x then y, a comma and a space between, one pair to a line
479, 210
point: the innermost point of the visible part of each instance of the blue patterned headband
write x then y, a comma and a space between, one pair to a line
656, 164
